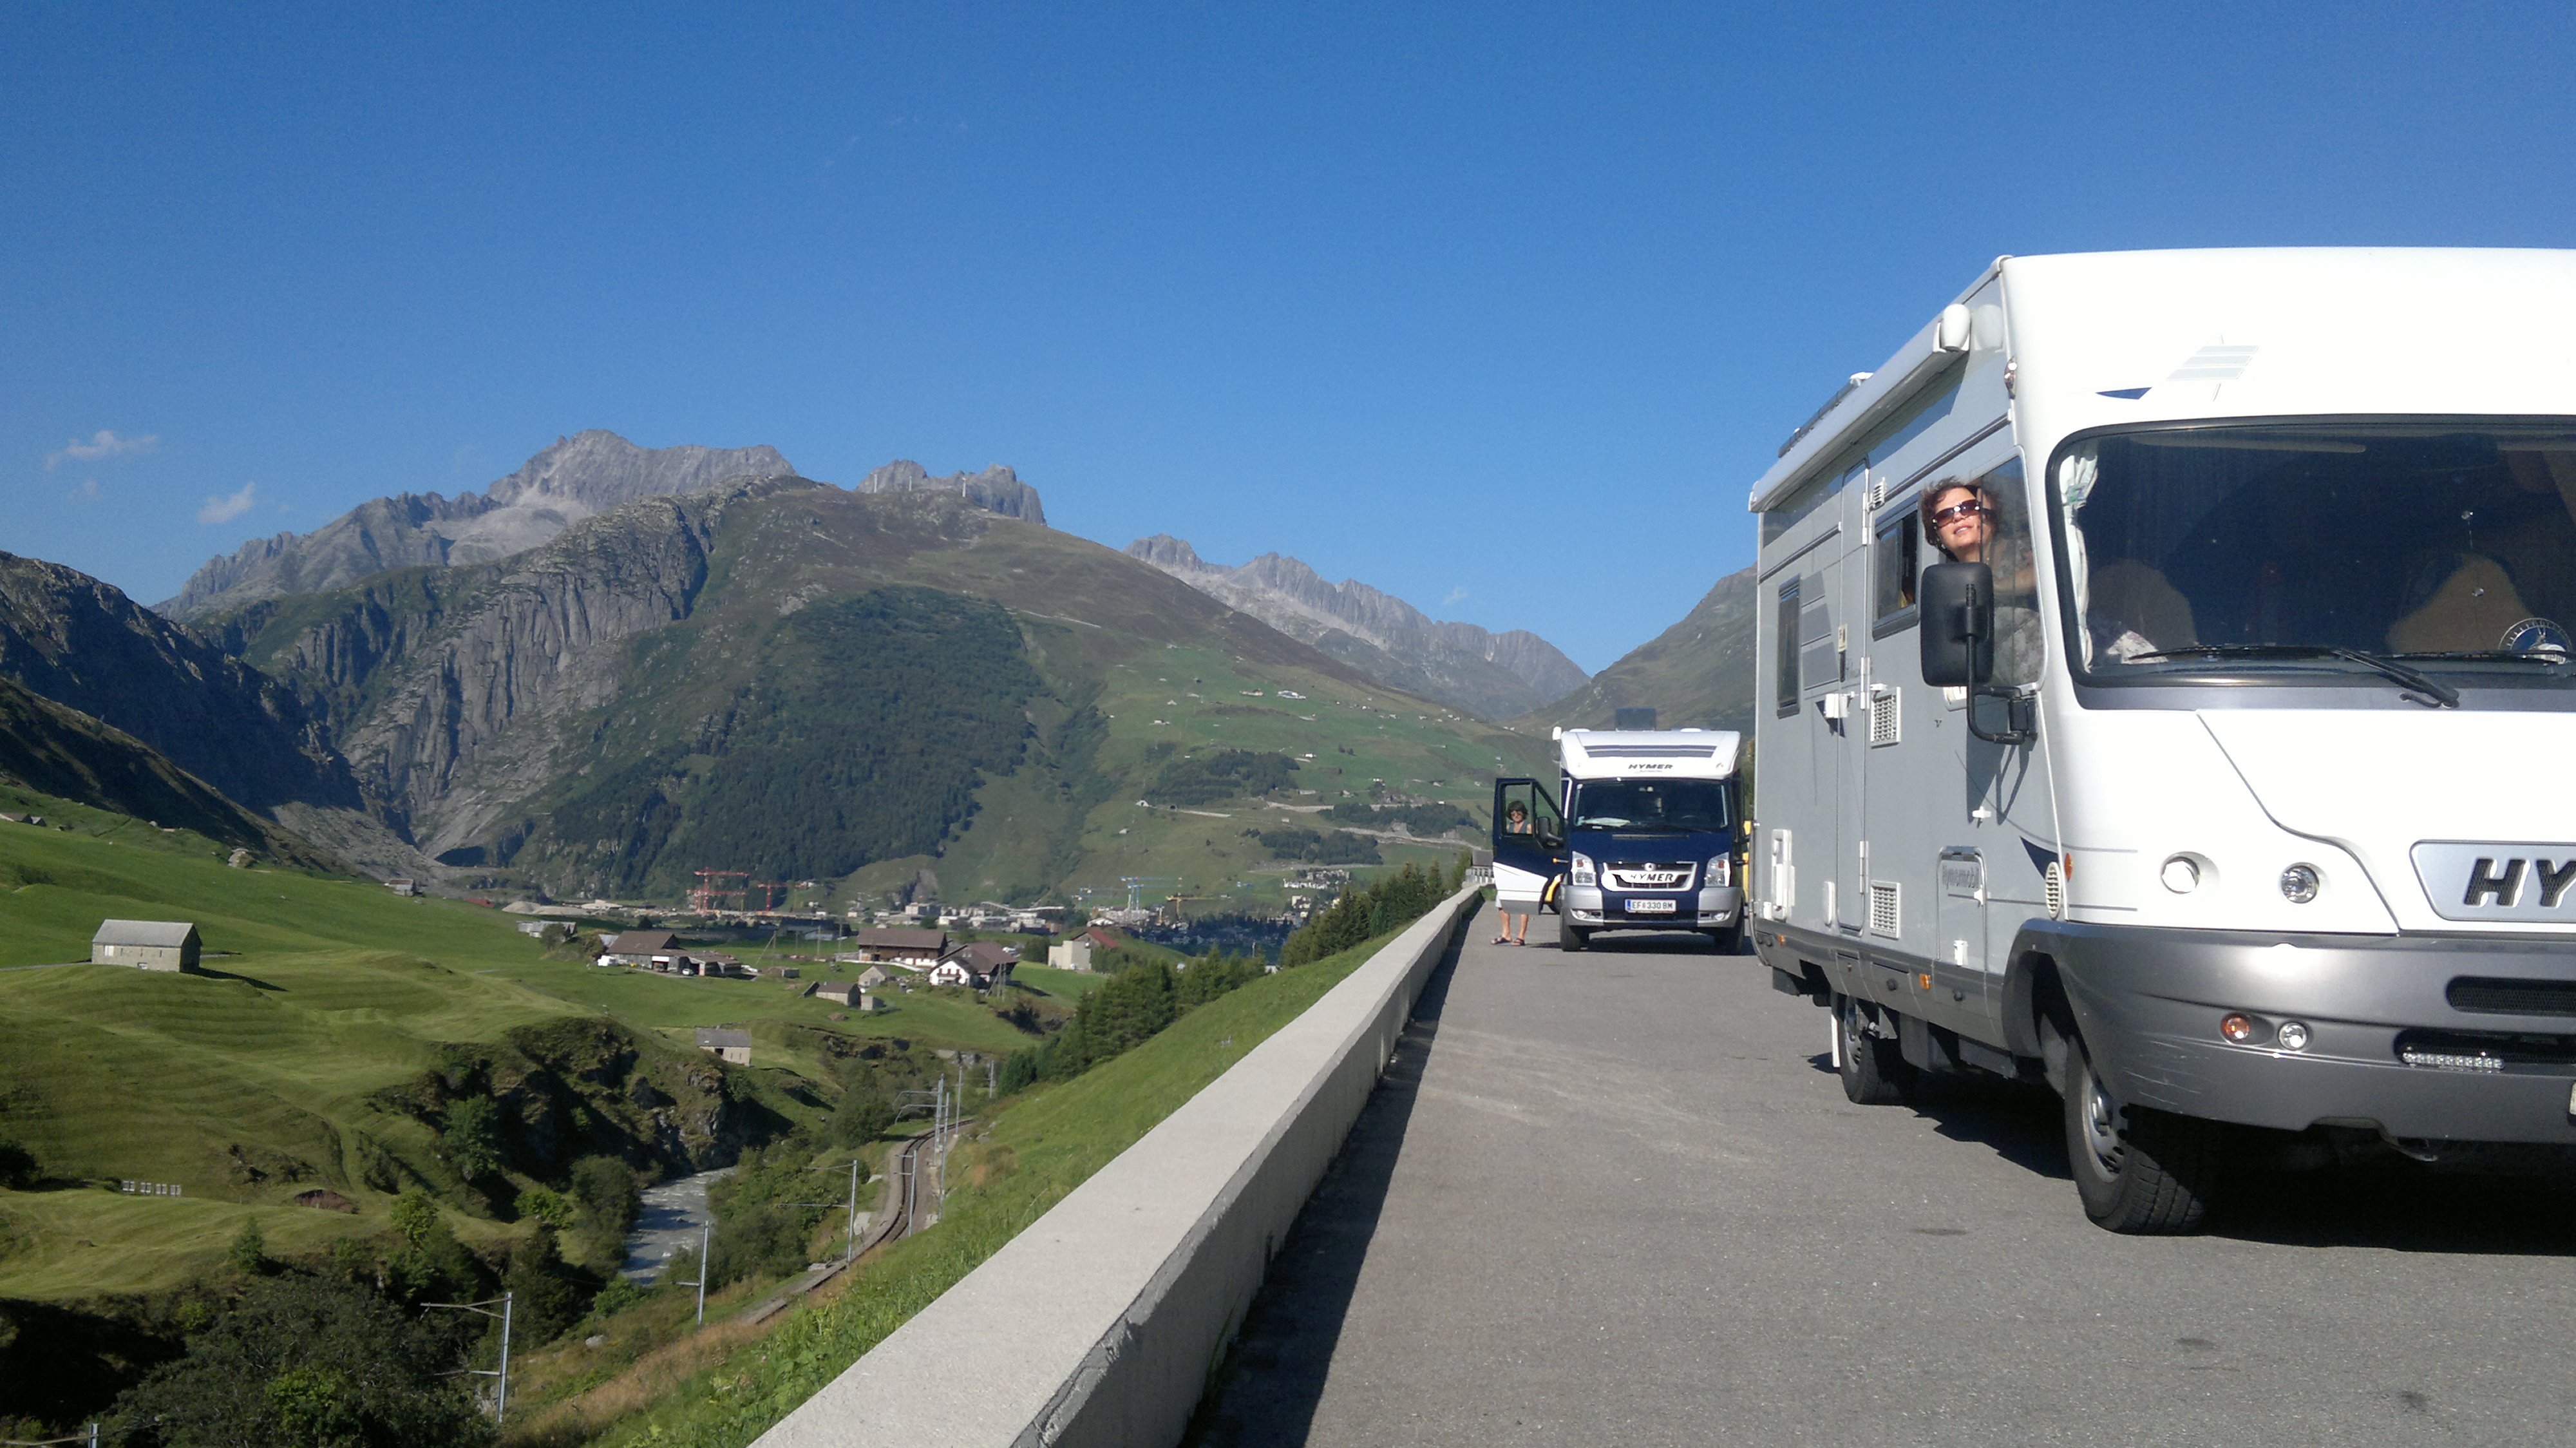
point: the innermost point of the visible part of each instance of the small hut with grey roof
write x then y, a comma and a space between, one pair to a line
146, 944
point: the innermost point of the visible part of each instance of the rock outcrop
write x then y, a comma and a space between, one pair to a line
997, 489
575, 478
1486, 674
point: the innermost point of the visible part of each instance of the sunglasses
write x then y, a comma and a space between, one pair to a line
1943, 517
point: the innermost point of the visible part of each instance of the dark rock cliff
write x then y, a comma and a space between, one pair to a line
450, 687
82, 643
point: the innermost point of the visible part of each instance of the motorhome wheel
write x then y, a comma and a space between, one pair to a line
2137, 1170
1874, 1072
1573, 937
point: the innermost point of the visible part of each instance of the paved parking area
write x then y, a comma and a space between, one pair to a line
1618, 1198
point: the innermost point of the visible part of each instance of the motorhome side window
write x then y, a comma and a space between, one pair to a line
1986, 519
1898, 557
1784, 638
2258, 550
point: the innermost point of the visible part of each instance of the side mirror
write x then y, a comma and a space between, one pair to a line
1958, 628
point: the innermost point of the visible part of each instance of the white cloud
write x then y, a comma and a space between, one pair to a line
87, 492
103, 444
224, 510
1455, 594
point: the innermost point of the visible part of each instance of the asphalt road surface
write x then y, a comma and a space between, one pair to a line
1618, 1198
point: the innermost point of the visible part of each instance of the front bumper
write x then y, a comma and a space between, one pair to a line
2149, 1002
1596, 909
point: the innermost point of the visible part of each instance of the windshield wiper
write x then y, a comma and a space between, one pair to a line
2497, 656
2443, 695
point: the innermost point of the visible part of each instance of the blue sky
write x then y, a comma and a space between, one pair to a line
1500, 308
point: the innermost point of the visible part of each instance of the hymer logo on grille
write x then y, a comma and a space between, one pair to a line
2491, 883
2518, 882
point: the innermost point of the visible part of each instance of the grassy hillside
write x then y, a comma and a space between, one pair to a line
329, 1011
724, 1389
1696, 674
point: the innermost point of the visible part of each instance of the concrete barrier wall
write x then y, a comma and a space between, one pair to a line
1103, 1322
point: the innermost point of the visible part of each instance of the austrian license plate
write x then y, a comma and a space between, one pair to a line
1650, 907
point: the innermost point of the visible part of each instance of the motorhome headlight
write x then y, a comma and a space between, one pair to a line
1584, 874
2181, 875
2299, 884
2293, 1036
1721, 872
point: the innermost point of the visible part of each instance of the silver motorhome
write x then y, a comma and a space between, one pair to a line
2223, 787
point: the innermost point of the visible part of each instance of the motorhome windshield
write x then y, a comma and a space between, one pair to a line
2441, 549
1663, 805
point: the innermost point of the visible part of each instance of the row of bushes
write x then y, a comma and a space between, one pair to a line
1341, 847
1144, 997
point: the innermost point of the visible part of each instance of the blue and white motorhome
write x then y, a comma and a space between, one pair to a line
1640, 833
2165, 684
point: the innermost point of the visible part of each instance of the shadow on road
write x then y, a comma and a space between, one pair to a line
1274, 1376
2388, 1202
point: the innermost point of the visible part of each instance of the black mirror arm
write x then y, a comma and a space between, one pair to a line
2019, 725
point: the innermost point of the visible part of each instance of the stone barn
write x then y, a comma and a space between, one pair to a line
146, 944
733, 1046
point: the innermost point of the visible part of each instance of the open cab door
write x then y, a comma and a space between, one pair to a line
1529, 839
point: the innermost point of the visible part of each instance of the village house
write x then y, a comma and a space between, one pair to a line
403, 886
146, 944
979, 964
894, 945
1079, 952
874, 976
732, 1046
641, 948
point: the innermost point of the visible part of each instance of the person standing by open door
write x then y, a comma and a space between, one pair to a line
1529, 852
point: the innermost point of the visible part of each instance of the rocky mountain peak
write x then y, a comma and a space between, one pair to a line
1460, 664
1168, 553
571, 479
601, 470
996, 489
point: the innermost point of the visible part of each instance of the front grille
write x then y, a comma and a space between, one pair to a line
2484, 1050
1676, 876
2493, 996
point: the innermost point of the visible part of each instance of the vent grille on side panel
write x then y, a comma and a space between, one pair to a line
2052, 886
1884, 917
1882, 717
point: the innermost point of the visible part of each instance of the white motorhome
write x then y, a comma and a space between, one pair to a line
2163, 673
1639, 832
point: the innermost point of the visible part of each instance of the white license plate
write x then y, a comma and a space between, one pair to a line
1650, 907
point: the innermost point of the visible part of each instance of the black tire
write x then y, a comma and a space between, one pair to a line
1875, 1072
2138, 1171
1573, 937
1729, 939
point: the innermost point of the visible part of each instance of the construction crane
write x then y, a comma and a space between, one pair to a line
708, 896
1136, 887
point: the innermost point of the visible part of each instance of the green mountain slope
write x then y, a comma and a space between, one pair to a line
1696, 674
798, 682
60, 751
